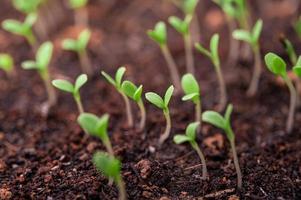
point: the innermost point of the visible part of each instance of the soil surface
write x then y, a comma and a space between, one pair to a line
50, 158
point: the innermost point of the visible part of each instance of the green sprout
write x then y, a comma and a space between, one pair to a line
252, 37
111, 168
289, 48
297, 67
117, 84
212, 54
224, 123
277, 66
135, 93
27, 6
22, 28
96, 127
190, 136
297, 27
162, 103
7, 64
75, 4
43, 58
192, 93
159, 35
79, 46
81, 13
66, 86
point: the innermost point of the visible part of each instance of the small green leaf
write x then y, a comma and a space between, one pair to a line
180, 25
129, 89
102, 126
179, 139
159, 33
202, 50
297, 70
31, 19
80, 81
275, 64
168, 95
29, 65
118, 76
63, 85
214, 118
13, 26
228, 113
190, 86
109, 78
6, 62
83, 39
214, 48
88, 122
27, 6
192, 97
189, 6
257, 30
138, 93
77, 3
70, 44
191, 130
155, 99
44, 55
242, 35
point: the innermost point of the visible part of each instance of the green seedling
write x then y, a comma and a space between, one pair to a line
117, 84
212, 54
252, 38
7, 64
27, 6
224, 123
162, 103
190, 136
97, 127
80, 47
297, 27
297, 67
289, 48
111, 168
277, 66
81, 13
75, 4
43, 58
22, 28
134, 92
159, 35
66, 86
191, 89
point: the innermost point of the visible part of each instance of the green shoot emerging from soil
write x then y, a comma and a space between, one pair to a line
22, 28
110, 167
79, 46
192, 93
289, 48
214, 57
43, 58
190, 136
134, 92
66, 86
27, 6
224, 123
278, 67
159, 35
252, 37
97, 127
117, 84
162, 103
7, 64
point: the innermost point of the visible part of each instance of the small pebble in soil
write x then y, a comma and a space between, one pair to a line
144, 166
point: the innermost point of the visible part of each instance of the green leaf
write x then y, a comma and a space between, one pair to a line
138, 93
275, 64
257, 30
118, 76
80, 81
44, 55
214, 48
83, 39
31, 19
63, 85
129, 89
27, 6
179, 139
77, 3
192, 96
102, 126
191, 130
13, 26
70, 44
168, 95
88, 122
109, 78
180, 25
189, 6
30, 64
242, 35
6, 62
155, 99
202, 50
214, 118
297, 70
228, 113
159, 33
190, 86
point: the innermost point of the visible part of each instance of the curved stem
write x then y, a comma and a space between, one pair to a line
143, 115
31, 39
293, 101
198, 113
121, 188
234, 44
256, 73
166, 133
50, 90
203, 160
109, 147
236, 164
222, 85
79, 104
85, 62
128, 110
189, 54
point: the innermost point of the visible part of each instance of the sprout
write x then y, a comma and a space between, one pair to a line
110, 167
7, 64
297, 27
278, 67
23, 29
97, 127
117, 84
192, 93
66, 86
27, 6
79, 46
81, 13
289, 48
163, 105
43, 58
214, 57
190, 136
224, 123
252, 37
159, 35
134, 92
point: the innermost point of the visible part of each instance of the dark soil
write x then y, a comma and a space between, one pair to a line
50, 158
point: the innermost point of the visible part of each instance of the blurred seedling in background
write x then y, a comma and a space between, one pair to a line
43, 58
96, 127
117, 84
159, 35
162, 103
224, 123
213, 55
81, 16
289, 48
110, 167
66, 86
27, 6
190, 136
191, 89
277, 66
297, 27
7, 64
22, 28
80, 47
134, 92
252, 38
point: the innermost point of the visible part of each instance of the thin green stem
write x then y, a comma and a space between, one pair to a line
166, 133
143, 115
49, 88
85, 62
31, 39
222, 85
108, 146
203, 160
293, 102
256, 73
121, 188
236, 164
79, 104
198, 113
189, 54
128, 109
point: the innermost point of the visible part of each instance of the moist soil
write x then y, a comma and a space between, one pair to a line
50, 158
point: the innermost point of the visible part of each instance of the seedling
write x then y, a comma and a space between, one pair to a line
252, 37
43, 58
111, 168
27, 6
212, 54
190, 136
7, 64
289, 48
22, 28
297, 67
81, 13
278, 67
159, 35
134, 92
297, 27
117, 84
97, 127
192, 93
224, 123
162, 103
79, 46
66, 86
